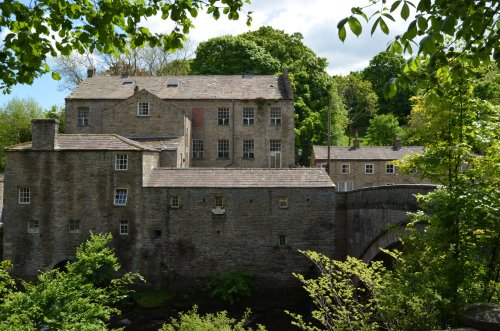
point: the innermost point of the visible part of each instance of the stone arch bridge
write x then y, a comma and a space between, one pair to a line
364, 217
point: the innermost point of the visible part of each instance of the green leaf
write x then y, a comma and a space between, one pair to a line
383, 26
390, 88
358, 11
56, 75
395, 5
396, 47
424, 5
389, 16
374, 27
405, 11
342, 33
422, 23
355, 25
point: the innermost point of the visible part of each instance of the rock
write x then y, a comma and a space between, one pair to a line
482, 316
124, 322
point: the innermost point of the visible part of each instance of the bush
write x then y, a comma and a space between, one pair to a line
231, 287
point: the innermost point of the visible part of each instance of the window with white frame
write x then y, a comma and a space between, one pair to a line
275, 116
223, 116
390, 169
143, 109
223, 149
74, 226
282, 240
120, 197
198, 148
174, 201
24, 197
369, 169
345, 168
344, 186
83, 116
124, 227
248, 149
121, 161
219, 201
283, 203
248, 116
33, 226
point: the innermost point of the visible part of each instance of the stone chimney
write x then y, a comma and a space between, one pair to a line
356, 140
397, 143
90, 72
136, 89
284, 79
44, 134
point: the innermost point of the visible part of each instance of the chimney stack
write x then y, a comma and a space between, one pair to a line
356, 140
397, 143
136, 89
44, 134
90, 72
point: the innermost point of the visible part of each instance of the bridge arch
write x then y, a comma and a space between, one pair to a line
61, 265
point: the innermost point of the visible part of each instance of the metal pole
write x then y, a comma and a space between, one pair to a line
329, 138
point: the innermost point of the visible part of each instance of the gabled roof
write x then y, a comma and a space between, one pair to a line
161, 143
365, 152
238, 178
91, 142
187, 87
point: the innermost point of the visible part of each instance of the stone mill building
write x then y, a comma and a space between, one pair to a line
192, 176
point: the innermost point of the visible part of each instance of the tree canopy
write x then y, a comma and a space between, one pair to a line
35, 31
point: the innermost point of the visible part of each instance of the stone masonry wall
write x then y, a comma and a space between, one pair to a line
192, 242
66, 186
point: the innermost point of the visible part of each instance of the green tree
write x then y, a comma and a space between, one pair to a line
79, 299
344, 294
383, 130
58, 114
230, 55
178, 67
359, 98
15, 122
103, 26
192, 320
382, 68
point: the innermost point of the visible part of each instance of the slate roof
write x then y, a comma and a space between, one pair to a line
166, 143
365, 152
91, 142
238, 178
189, 87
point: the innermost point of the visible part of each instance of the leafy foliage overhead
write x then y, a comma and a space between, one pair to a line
34, 31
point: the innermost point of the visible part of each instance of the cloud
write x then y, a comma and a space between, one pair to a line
316, 20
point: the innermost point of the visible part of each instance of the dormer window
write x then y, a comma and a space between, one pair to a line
143, 109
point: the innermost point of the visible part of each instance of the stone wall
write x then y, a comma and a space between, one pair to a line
64, 186
364, 217
191, 241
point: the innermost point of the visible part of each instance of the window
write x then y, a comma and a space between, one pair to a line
74, 226
121, 161
248, 149
389, 169
174, 201
157, 234
282, 240
223, 149
219, 201
345, 168
275, 116
24, 196
33, 226
197, 149
344, 186
275, 145
283, 202
83, 116
143, 109
120, 197
223, 116
369, 169
123, 227
248, 116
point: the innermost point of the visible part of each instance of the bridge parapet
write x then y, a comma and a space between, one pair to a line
364, 216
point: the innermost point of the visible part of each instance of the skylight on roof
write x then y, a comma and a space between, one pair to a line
173, 83
128, 82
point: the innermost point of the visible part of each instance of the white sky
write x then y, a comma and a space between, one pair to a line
316, 20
